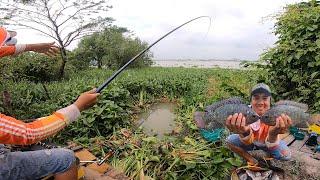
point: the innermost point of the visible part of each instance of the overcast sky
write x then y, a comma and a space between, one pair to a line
237, 26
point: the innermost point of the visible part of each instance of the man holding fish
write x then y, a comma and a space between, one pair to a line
259, 135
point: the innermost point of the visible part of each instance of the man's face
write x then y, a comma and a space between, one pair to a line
260, 103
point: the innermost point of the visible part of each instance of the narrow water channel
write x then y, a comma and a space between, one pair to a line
159, 119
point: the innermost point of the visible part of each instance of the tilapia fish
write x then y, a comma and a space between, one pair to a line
296, 111
232, 100
293, 103
216, 114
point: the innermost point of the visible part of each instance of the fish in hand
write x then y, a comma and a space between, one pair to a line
296, 111
216, 114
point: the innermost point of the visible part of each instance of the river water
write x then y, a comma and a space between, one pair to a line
229, 64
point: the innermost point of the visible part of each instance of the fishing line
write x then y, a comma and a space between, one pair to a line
209, 27
108, 81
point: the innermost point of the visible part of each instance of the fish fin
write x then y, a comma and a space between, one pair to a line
231, 100
302, 106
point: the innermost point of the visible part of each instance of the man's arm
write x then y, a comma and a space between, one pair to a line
11, 50
46, 48
283, 122
237, 124
13, 131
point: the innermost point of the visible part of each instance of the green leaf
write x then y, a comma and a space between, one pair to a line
191, 125
314, 74
298, 54
171, 175
217, 159
290, 58
150, 139
190, 165
226, 165
234, 161
154, 158
318, 43
205, 153
311, 49
311, 64
100, 110
90, 120
296, 78
188, 140
312, 28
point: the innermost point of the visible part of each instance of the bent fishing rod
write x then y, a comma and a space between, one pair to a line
108, 81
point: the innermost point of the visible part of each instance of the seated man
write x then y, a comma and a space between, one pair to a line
258, 135
37, 164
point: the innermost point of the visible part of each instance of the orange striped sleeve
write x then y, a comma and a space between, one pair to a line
7, 50
13, 131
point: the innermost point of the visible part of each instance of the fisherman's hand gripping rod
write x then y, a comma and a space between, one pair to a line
105, 84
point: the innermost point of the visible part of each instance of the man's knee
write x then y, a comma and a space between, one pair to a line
281, 152
57, 160
283, 155
233, 139
35, 164
64, 159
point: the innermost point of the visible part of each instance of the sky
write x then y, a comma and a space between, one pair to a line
239, 29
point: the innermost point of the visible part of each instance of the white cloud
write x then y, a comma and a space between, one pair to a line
237, 30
